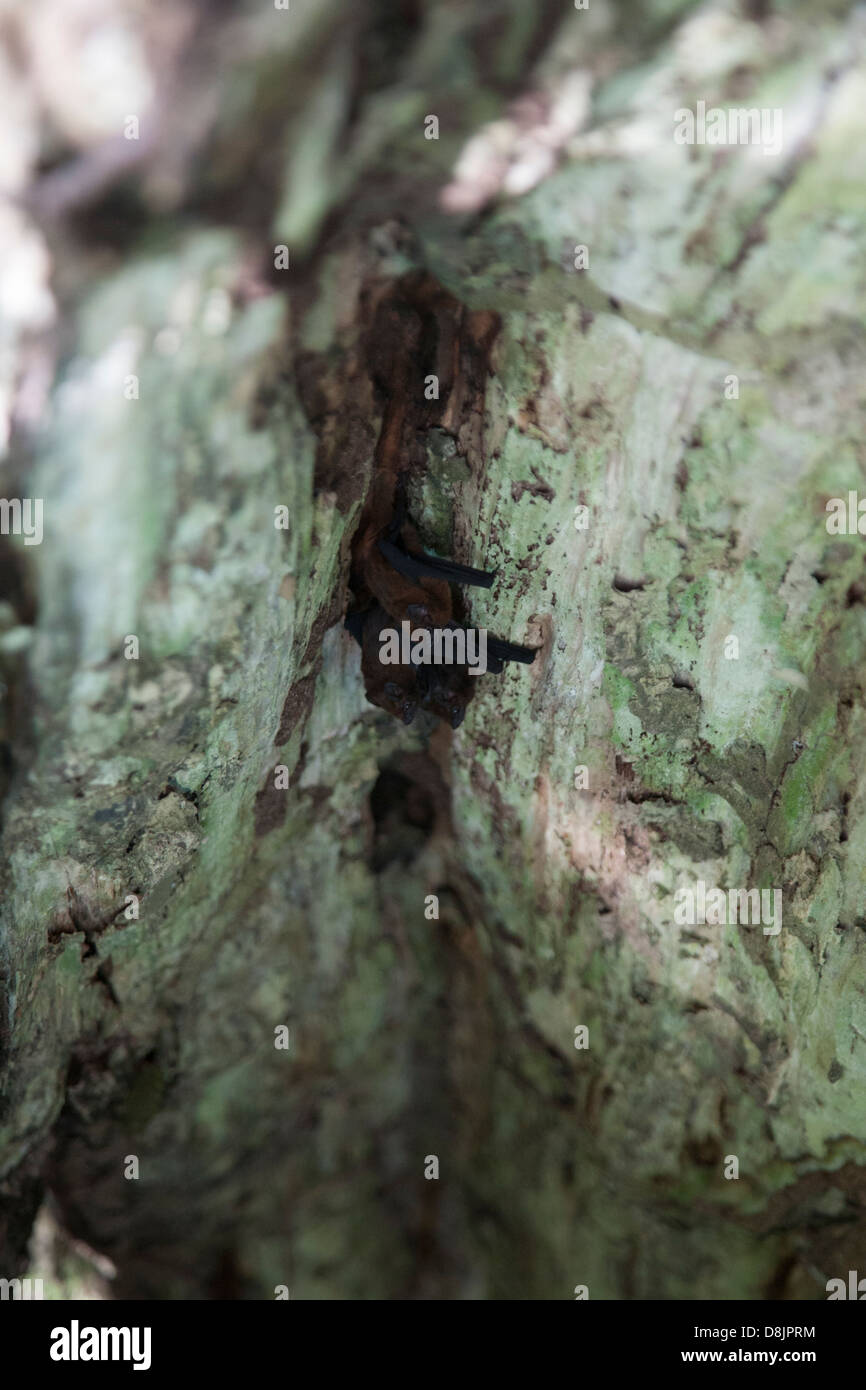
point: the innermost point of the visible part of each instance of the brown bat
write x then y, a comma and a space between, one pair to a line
446, 691
388, 561
402, 689
393, 579
387, 557
392, 687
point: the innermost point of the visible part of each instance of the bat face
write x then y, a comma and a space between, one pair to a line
447, 691
393, 688
397, 701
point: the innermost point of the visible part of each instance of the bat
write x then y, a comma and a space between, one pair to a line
392, 687
393, 578
405, 595
446, 691
501, 650
402, 689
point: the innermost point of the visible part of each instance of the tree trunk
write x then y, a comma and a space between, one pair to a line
476, 946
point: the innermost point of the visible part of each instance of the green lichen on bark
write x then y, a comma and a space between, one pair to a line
305, 907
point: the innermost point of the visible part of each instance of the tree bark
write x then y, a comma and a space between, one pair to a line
648, 472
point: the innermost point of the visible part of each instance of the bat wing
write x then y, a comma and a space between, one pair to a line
355, 624
423, 566
509, 651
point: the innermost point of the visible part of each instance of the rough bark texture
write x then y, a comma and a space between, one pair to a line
454, 1037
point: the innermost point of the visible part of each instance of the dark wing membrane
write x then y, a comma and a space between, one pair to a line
355, 624
501, 650
423, 566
